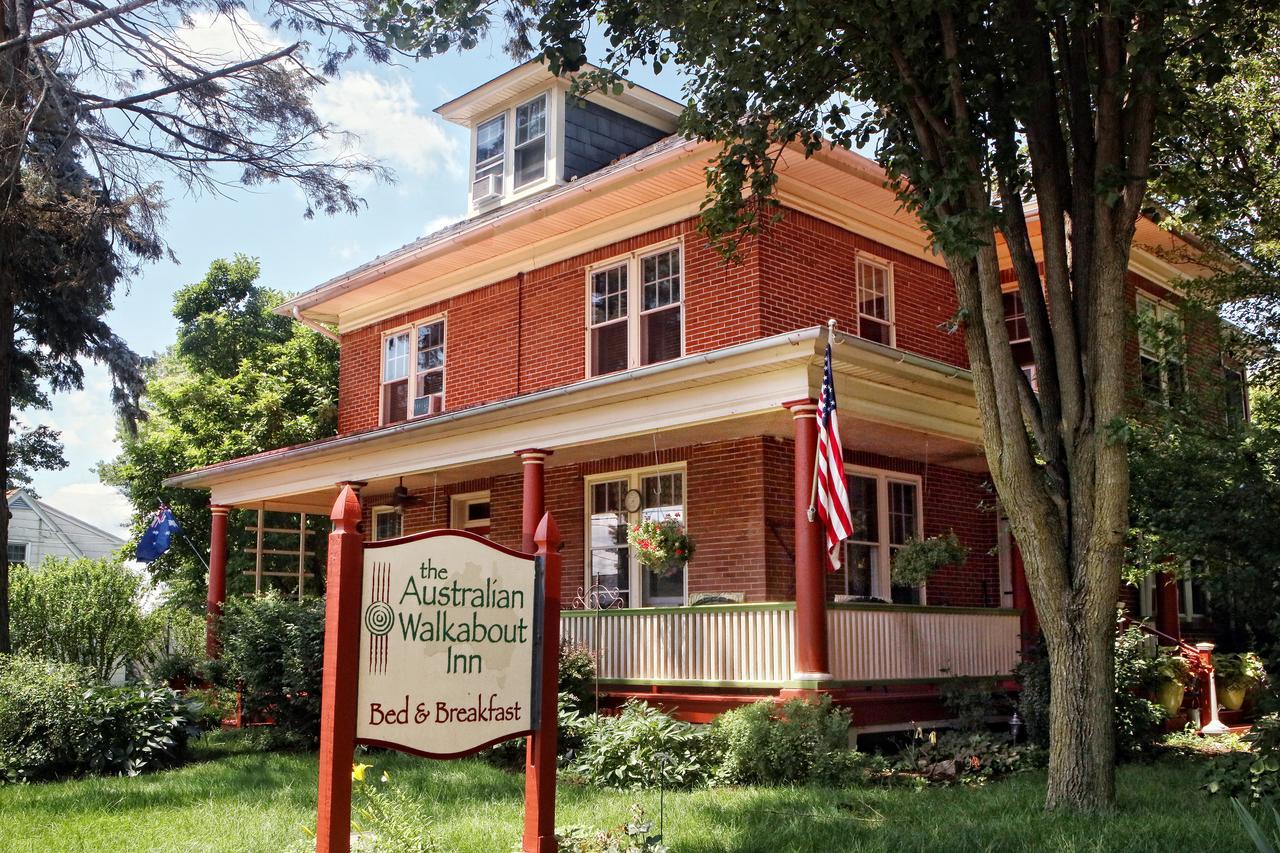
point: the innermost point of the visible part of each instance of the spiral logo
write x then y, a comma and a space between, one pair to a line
379, 618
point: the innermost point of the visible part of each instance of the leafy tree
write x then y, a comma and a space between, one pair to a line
239, 380
97, 103
974, 109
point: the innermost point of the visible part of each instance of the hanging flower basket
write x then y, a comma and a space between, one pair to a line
661, 546
917, 560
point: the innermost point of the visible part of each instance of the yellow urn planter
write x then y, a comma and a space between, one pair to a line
1232, 698
1169, 694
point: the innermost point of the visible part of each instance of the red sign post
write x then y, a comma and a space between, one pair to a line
453, 628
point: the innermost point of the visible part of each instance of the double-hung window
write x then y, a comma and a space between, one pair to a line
531, 142
17, 552
422, 393
612, 571
388, 523
887, 513
1160, 349
1237, 397
875, 301
635, 311
491, 152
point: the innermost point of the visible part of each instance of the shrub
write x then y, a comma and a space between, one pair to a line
178, 654
767, 744
1032, 675
82, 612
56, 721
641, 747
273, 648
390, 819
969, 701
1252, 776
967, 757
577, 695
578, 676
632, 837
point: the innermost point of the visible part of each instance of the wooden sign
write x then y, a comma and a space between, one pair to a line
450, 645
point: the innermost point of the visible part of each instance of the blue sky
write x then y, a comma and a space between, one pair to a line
389, 108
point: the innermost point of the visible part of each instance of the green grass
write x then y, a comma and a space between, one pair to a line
234, 799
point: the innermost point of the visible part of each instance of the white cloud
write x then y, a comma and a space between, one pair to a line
99, 505
85, 418
435, 223
388, 123
227, 38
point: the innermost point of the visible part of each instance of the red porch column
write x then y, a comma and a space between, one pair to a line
533, 499
1167, 619
811, 594
217, 579
1028, 623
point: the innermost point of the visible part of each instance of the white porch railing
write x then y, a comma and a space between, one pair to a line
752, 645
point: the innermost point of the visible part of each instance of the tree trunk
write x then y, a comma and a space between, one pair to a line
6, 407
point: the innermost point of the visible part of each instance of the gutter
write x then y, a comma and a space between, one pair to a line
315, 327
795, 339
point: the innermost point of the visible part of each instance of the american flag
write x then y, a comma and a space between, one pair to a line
832, 497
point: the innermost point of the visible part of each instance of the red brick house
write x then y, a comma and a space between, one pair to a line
576, 345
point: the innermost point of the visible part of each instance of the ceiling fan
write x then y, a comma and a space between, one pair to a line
400, 496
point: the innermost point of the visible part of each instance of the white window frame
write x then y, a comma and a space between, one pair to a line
553, 148
1147, 602
411, 329
1163, 312
881, 585
635, 571
545, 97
632, 262
26, 553
458, 505
866, 258
385, 509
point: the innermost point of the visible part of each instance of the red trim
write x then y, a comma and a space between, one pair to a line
464, 534
398, 747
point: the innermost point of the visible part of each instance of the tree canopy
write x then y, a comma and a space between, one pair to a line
240, 379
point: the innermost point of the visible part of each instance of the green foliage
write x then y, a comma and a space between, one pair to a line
1253, 776
1032, 675
578, 676
81, 611
1235, 671
273, 648
178, 654
1264, 841
57, 721
970, 758
634, 836
389, 818
915, 562
239, 380
798, 741
640, 747
970, 702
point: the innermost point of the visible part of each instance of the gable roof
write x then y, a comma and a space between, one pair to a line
56, 519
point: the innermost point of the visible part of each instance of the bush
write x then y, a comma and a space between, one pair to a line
967, 757
767, 744
56, 721
82, 612
970, 702
1138, 721
1252, 776
578, 676
179, 653
632, 837
641, 747
273, 648
577, 695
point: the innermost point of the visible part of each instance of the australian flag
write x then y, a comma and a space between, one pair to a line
155, 541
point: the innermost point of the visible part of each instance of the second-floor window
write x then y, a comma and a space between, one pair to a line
1160, 351
510, 151
635, 311
413, 372
531, 141
875, 301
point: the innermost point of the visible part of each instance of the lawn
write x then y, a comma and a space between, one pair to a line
235, 799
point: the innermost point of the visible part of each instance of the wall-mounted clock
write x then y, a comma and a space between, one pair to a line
632, 501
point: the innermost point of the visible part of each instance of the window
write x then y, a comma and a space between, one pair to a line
1015, 317
610, 563
471, 512
388, 523
886, 515
619, 335
491, 150
1160, 345
875, 302
423, 346
17, 552
531, 142
1237, 402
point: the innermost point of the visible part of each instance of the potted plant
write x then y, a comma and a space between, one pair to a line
915, 562
1236, 675
1173, 675
661, 545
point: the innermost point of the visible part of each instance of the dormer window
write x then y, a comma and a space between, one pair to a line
531, 142
491, 155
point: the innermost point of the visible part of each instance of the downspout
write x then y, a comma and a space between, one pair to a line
315, 327
519, 325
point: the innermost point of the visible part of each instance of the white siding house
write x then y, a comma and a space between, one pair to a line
37, 530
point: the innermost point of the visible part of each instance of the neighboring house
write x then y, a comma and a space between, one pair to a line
37, 530
576, 345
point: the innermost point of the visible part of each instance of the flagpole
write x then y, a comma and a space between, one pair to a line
199, 556
813, 487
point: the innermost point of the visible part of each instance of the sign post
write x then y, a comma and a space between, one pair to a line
438, 644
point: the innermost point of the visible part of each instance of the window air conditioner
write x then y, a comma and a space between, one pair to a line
486, 189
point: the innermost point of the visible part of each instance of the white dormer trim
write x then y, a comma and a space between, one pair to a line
553, 92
